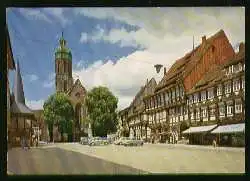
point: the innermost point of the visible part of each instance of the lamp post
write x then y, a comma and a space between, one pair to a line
158, 67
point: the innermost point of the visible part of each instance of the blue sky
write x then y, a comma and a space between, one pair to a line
115, 47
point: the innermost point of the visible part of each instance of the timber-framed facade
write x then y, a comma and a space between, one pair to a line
185, 95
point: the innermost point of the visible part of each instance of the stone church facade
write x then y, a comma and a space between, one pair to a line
75, 91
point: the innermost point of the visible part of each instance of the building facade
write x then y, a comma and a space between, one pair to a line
134, 117
219, 99
168, 110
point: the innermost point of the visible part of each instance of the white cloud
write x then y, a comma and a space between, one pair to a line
125, 77
58, 13
166, 34
50, 82
159, 27
32, 77
34, 104
34, 14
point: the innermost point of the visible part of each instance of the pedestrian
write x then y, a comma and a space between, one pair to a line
214, 143
22, 142
36, 142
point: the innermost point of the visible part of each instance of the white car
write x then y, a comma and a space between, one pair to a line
133, 142
121, 141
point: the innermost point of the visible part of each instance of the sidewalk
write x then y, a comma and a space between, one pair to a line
207, 147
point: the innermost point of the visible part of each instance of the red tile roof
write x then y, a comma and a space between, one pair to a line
184, 65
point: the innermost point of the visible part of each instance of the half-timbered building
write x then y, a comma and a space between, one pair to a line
217, 104
167, 108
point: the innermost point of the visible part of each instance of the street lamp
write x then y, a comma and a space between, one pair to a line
158, 67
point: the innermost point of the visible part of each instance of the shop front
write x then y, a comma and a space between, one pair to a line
200, 135
230, 135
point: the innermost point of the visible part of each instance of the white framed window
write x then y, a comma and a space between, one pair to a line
204, 112
222, 110
181, 92
190, 99
197, 114
177, 92
236, 85
173, 94
228, 88
192, 114
212, 111
243, 83
196, 98
162, 99
166, 98
230, 69
219, 90
235, 68
240, 67
203, 95
210, 93
238, 107
229, 109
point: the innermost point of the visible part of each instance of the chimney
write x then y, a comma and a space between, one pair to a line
165, 70
241, 47
203, 39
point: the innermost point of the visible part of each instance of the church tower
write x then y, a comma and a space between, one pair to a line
63, 67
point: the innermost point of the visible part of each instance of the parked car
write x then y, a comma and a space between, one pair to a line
121, 141
183, 141
84, 140
97, 141
133, 142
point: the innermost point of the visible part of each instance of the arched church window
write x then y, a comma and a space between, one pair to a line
77, 94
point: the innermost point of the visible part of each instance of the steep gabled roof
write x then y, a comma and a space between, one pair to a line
77, 82
18, 100
239, 56
143, 89
210, 78
184, 65
11, 64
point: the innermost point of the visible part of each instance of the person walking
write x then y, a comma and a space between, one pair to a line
214, 143
22, 142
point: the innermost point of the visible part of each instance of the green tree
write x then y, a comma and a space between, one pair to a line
58, 111
102, 105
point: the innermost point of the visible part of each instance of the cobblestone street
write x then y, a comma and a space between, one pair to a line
160, 158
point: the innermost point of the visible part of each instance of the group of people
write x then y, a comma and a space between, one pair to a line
26, 142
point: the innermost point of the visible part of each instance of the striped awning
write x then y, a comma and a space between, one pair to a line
231, 128
199, 129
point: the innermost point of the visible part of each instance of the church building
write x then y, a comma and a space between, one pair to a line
64, 83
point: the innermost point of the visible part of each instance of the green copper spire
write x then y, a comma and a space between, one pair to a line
62, 52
